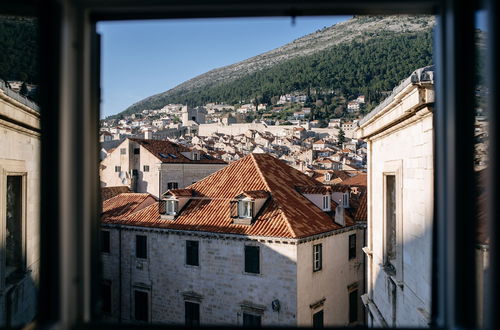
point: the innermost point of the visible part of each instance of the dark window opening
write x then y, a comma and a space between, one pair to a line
390, 218
106, 297
252, 259
250, 320
353, 306
192, 253
192, 313
118, 168
141, 246
105, 241
317, 257
137, 151
14, 214
135, 172
123, 151
141, 304
318, 319
352, 246
172, 185
146, 168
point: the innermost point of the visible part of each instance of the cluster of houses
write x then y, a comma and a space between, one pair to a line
277, 227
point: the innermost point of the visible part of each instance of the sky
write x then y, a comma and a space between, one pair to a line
142, 58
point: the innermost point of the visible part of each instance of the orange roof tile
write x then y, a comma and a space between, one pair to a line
125, 204
180, 192
286, 214
163, 150
357, 180
110, 192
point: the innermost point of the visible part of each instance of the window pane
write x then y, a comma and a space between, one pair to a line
353, 306
192, 253
106, 297
352, 246
318, 319
390, 217
141, 247
250, 320
252, 264
192, 311
14, 253
105, 241
141, 304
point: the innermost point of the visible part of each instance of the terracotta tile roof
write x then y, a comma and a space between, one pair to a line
361, 211
339, 188
180, 192
357, 180
337, 176
314, 189
110, 192
319, 142
286, 214
257, 194
169, 152
125, 204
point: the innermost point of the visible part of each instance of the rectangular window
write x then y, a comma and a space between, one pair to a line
192, 253
192, 313
326, 202
118, 168
137, 151
252, 259
245, 209
317, 257
390, 218
14, 214
105, 241
352, 246
123, 151
146, 168
172, 185
106, 297
353, 306
141, 305
171, 206
250, 320
141, 246
135, 172
318, 319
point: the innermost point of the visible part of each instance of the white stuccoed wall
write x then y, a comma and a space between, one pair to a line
20, 154
408, 146
332, 281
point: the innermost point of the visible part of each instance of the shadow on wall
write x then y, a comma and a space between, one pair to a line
405, 302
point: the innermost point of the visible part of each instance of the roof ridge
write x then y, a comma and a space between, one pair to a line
262, 176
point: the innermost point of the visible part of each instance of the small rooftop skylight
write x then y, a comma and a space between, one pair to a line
163, 155
172, 155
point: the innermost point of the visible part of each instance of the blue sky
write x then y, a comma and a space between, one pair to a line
142, 58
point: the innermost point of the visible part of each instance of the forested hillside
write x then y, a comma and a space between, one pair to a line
19, 49
365, 55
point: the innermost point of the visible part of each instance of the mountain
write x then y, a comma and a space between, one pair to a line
332, 58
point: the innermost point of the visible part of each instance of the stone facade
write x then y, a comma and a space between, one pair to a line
19, 158
399, 134
153, 176
221, 286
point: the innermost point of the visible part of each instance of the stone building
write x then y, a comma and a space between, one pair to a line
256, 243
399, 133
19, 208
154, 166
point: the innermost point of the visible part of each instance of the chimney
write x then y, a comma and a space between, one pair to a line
339, 216
148, 134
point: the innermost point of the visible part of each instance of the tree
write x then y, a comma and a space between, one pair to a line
340, 137
24, 89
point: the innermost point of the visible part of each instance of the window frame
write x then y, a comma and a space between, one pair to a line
352, 254
136, 290
69, 155
317, 257
259, 263
141, 252
108, 246
186, 313
187, 260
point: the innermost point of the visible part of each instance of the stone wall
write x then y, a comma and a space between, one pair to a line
219, 282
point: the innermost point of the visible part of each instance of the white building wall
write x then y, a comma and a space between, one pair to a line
220, 279
332, 281
406, 148
20, 155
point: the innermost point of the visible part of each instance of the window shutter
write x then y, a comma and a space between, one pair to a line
233, 209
